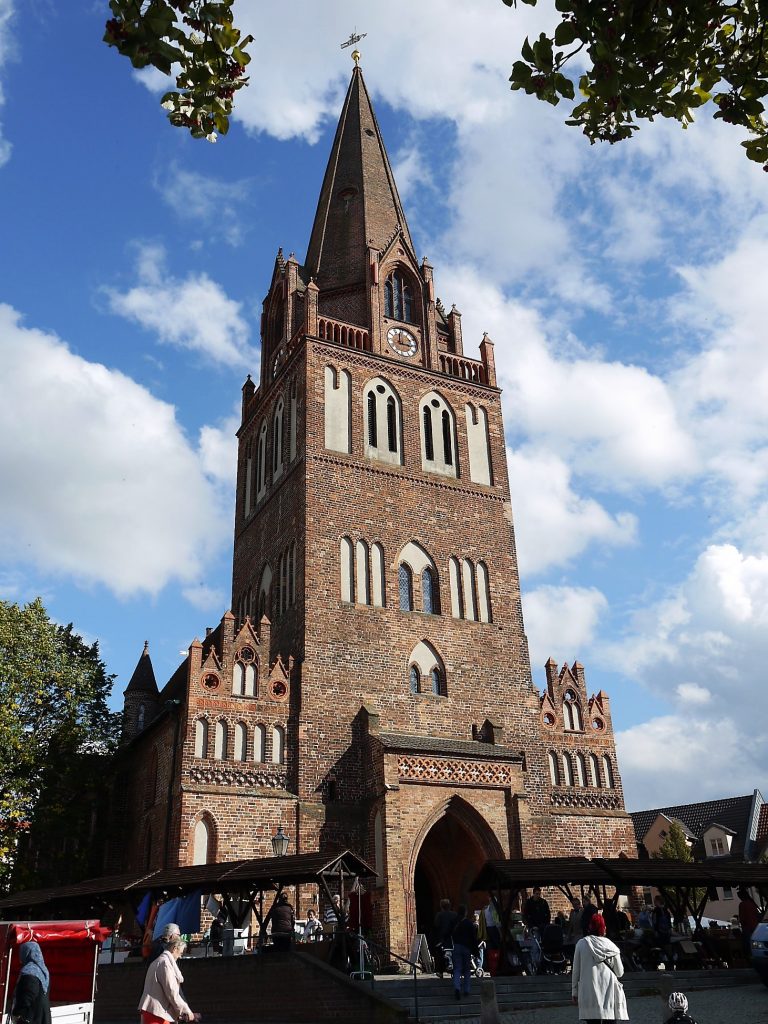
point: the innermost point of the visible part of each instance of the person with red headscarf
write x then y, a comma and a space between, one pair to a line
595, 984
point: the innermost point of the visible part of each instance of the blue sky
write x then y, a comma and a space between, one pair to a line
626, 289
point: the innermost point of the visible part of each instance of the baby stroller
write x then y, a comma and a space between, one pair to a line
474, 963
553, 959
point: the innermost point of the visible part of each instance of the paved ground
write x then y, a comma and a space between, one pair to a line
746, 1004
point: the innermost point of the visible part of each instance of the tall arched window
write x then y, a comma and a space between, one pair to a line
383, 422
202, 847
347, 571
554, 768
277, 441
608, 769
398, 297
259, 743
373, 431
241, 741
278, 744
238, 679
247, 496
378, 582
468, 589
430, 595
414, 679
261, 461
405, 587
391, 424
581, 770
140, 717
251, 674
447, 438
457, 595
220, 741
594, 771
438, 435
429, 444
362, 575
201, 738
483, 593
567, 769
436, 679
571, 712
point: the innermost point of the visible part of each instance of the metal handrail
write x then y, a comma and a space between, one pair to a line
413, 966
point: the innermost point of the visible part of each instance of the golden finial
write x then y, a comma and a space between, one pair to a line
356, 57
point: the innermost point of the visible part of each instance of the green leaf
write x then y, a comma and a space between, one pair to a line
565, 33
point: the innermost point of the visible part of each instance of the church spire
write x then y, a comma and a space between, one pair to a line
359, 205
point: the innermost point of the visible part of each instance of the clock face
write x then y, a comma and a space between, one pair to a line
401, 341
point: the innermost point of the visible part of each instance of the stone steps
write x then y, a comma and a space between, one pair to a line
437, 999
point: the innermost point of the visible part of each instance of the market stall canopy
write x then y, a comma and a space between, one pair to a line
621, 872
240, 876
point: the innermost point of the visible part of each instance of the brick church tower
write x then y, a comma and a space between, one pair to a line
371, 688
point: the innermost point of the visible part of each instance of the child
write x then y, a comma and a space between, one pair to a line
678, 1004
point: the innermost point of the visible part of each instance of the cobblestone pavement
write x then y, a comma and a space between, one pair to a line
744, 1004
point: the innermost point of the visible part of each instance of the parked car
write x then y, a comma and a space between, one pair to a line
760, 949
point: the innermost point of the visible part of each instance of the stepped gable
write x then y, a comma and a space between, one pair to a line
359, 205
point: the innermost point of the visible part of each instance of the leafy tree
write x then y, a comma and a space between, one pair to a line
195, 36
56, 736
653, 58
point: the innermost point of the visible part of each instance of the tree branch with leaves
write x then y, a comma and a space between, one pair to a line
653, 58
199, 42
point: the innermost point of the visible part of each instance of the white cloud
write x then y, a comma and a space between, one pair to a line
192, 313
692, 693
205, 598
707, 643
681, 759
215, 207
218, 452
560, 622
102, 485
6, 52
616, 423
553, 524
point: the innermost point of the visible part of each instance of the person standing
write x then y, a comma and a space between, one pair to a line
442, 931
332, 915
283, 921
662, 921
586, 914
749, 919
595, 985
312, 929
161, 1001
30, 997
464, 947
536, 913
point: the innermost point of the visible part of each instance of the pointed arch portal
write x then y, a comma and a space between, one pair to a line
455, 844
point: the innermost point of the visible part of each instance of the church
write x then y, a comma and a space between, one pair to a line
371, 686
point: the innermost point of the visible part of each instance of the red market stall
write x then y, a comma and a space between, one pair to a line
70, 950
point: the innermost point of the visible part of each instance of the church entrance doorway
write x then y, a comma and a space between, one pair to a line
451, 855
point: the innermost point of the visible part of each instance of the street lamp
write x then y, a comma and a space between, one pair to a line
280, 842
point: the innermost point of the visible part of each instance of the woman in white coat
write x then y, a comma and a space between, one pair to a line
595, 984
161, 1000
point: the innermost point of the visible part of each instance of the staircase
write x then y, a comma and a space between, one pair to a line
437, 1000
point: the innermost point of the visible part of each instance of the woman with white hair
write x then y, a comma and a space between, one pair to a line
160, 944
161, 1000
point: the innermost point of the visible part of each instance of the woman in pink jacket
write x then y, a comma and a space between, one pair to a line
161, 1000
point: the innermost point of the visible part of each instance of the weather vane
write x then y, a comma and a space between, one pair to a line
353, 38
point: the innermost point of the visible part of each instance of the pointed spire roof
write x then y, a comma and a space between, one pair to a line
143, 678
359, 204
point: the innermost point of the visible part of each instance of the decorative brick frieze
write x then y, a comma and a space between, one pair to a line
221, 775
456, 772
594, 798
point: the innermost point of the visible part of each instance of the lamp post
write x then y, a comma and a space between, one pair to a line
280, 842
